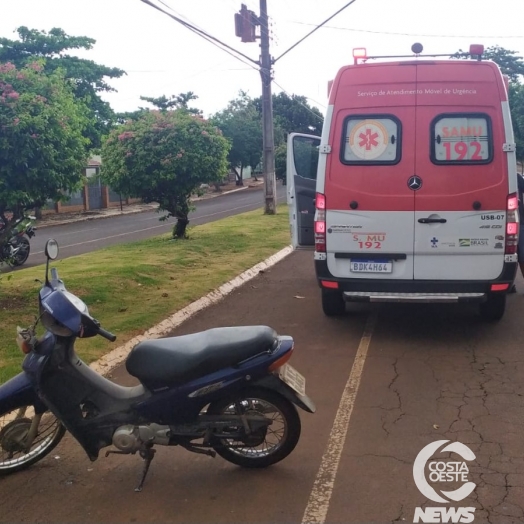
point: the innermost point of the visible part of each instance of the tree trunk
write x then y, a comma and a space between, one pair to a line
38, 213
179, 231
240, 181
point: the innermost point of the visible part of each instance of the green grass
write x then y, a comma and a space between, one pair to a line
131, 287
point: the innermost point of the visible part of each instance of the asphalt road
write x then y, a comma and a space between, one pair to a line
82, 237
387, 381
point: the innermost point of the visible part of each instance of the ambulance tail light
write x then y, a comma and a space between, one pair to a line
512, 225
320, 223
359, 53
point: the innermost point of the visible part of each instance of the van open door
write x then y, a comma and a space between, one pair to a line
301, 180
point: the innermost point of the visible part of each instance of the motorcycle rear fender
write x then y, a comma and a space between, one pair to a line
19, 392
275, 384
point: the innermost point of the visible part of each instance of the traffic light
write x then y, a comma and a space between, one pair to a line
245, 24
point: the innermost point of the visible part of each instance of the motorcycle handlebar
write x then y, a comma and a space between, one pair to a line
106, 334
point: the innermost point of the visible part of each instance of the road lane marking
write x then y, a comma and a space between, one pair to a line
103, 238
320, 497
140, 230
78, 231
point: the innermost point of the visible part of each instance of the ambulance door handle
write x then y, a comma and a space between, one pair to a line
432, 220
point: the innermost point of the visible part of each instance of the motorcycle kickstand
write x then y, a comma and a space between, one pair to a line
147, 454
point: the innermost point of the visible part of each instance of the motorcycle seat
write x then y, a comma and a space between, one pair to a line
184, 358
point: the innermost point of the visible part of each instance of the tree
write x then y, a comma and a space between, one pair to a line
281, 161
293, 114
88, 78
180, 101
42, 148
164, 157
242, 125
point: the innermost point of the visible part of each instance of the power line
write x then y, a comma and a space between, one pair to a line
179, 14
316, 28
404, 34
215, 41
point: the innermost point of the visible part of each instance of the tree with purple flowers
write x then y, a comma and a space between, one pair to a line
42, 150
164, 157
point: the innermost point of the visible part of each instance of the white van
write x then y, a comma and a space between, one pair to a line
410, 195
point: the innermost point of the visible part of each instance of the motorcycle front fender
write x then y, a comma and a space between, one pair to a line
19, 392
274, 383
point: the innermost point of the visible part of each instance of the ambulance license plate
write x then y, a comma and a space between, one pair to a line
292, 378
371, 266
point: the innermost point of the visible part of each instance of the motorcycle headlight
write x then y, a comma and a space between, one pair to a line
52, 325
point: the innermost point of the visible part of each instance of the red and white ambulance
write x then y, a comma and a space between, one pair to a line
410, 194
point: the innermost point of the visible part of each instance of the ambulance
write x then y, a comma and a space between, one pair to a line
410, 194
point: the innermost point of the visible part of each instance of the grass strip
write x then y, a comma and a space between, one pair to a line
131, 287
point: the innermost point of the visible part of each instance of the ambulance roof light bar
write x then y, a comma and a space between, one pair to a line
475, 51
359, 53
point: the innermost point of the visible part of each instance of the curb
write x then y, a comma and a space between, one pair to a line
153, 207
111, 360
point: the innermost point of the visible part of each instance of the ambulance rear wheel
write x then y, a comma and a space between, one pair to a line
493, 309
333, 303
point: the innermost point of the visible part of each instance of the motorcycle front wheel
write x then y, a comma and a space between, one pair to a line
15, 427
23, 252
263, 447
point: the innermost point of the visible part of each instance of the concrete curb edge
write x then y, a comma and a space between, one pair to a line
108, 362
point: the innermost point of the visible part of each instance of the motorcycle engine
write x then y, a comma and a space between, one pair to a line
131, 439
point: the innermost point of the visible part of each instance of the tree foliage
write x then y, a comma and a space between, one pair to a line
294, 114
164, 157
281, 161
509, 62
180, 101
241, 124
42, 148
88, 78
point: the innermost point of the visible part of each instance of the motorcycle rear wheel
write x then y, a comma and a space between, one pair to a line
23, 253
268, 446
14, 429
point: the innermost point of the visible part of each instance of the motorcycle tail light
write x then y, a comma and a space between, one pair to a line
281, 361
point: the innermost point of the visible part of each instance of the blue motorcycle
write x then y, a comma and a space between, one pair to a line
226, 390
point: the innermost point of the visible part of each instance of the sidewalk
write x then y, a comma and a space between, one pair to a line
58, 219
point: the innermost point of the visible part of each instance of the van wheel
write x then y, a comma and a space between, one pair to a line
493, 309
333, 303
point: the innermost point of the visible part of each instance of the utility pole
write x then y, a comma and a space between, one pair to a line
268, 162
245, 22
245, 27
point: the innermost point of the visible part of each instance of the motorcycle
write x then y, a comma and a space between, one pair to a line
15, 250
228, 391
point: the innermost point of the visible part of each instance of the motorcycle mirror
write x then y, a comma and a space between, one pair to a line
51, 249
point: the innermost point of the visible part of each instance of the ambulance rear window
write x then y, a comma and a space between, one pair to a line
371, 140
461, 138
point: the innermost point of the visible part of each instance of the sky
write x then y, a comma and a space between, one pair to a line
162, 57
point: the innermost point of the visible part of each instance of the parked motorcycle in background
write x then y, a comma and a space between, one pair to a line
15, 250
227, 391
